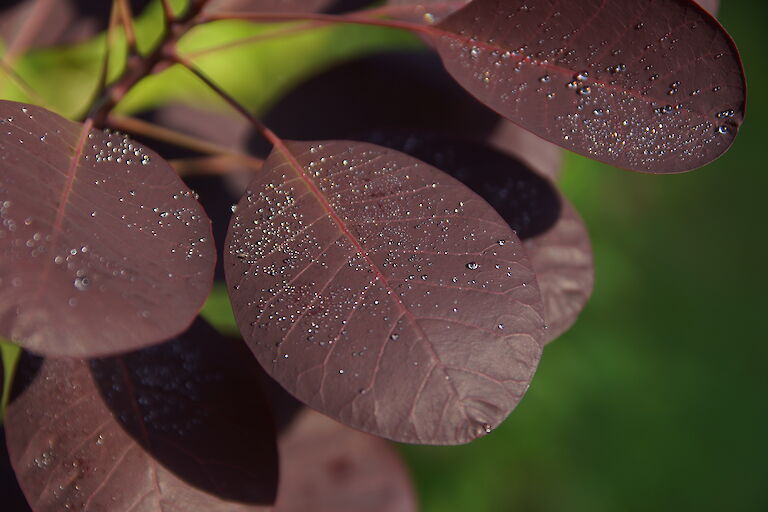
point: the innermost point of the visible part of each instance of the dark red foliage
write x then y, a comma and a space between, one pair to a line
646, 85
403, 282
102, 248
327, 467
553, 234
180, 425
360, 276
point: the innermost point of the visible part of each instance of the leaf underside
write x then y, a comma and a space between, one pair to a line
381, 292
646, 85
102, 248
177, 427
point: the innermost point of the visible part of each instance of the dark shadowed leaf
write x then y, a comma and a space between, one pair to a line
424, 11
180, 426
11, 497
551, 230
383, 293
35, 23
327, 467
268, 6
102, 248
413, 93
645, 85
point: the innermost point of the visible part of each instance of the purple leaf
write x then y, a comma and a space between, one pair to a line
102, 248
553, 234
380, 291
562, 259
646, 85
179, 426
327, 467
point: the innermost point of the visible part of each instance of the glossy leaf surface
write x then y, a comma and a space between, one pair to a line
414, 94
102, 248
327, 467
552, 232
177, 427
383, 293
646, 85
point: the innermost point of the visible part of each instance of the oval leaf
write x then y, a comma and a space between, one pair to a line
180, 426
562, 259
102, 247
644, 85
552, 232
383, 293
327, 467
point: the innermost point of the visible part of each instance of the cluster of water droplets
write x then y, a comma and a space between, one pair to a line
116, 147
363, 242
621, 102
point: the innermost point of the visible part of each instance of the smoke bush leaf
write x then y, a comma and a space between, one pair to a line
327, 467
103, 248
645, 85
382, 292
179, 426
552, 232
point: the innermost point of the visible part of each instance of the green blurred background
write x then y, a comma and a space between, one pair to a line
656, 399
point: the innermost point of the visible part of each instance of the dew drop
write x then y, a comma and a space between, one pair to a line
82, 283
472, 265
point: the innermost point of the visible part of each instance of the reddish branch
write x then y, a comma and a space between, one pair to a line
177, 25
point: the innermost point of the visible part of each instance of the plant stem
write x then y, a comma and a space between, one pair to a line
213, 165
182, 140
355, 18
138, 67
29, 29
114, 19
256, 122
284, 31
168, 11
126, 16
23, 84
